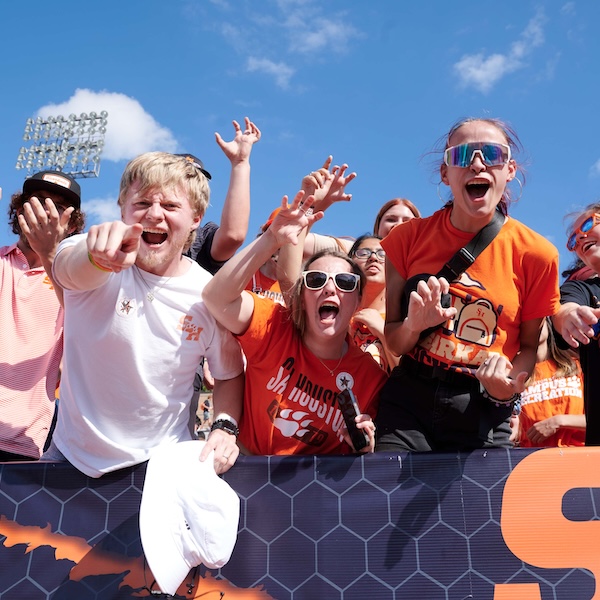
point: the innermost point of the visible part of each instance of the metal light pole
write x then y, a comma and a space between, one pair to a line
72, 145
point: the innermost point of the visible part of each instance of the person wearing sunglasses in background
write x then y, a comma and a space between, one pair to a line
577, 319
467, 345
299, 356
368, 322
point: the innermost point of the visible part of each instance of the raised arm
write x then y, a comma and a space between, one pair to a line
224, 295
328, 185
236, 208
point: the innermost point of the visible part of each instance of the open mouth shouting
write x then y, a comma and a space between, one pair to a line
328, 311
154, 237
477, 188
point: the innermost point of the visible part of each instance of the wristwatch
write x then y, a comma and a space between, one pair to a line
227, 426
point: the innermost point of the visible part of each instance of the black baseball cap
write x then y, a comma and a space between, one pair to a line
197, 163
57, 182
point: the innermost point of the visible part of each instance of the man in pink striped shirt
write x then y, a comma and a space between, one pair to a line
31, 316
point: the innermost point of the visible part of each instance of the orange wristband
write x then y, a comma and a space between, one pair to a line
91, 259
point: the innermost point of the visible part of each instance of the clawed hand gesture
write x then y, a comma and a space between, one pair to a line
327, 185
43, 225
293, 218
425, 307
238, 150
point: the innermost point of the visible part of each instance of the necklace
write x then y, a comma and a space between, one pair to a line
150, 294
339, 362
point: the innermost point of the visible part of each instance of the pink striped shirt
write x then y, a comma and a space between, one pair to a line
31, 339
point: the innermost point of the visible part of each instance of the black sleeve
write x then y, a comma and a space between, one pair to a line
202, 246
584, 293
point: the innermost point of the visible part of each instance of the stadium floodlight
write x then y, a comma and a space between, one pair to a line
70, 144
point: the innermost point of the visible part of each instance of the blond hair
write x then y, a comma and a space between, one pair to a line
164, 171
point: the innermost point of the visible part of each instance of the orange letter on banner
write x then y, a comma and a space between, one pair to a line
532, 522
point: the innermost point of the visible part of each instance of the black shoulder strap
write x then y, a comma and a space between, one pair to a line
466, 256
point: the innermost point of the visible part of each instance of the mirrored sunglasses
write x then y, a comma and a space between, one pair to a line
367, 253
316, 280
491, 154
583, 229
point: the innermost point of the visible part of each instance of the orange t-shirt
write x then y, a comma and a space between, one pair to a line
266, 287
290, 395
548, 396
364, 339
515, 279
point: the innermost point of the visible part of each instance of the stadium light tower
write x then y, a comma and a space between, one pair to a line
72, 145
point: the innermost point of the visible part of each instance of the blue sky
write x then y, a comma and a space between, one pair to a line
374, 83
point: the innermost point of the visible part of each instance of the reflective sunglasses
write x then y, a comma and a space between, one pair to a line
367, 253
491, 154
316, 280
583, 229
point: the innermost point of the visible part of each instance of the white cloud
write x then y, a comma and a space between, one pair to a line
568, 8
294, 28
483, 72
101, 210
595, 169
282, 72
130, 130
319, 33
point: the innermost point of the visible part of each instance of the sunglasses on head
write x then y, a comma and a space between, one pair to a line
583, 229
196, 162
316, 280
491, 154
367, 253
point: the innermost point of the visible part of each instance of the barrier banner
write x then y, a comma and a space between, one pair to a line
488, 525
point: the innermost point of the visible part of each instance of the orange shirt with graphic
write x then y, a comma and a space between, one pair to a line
515, 279
290, 402
265, 287
364, 339
547, 396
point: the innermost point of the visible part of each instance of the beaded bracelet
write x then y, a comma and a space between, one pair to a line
514, 399
227, 426
101, 268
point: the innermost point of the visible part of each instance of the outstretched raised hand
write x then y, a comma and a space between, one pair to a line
240, 147
293, 218
328, 185
44, 225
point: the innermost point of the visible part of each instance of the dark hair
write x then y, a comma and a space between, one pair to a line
393, 202
77, 221
359, 241
294, 302
512, 139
